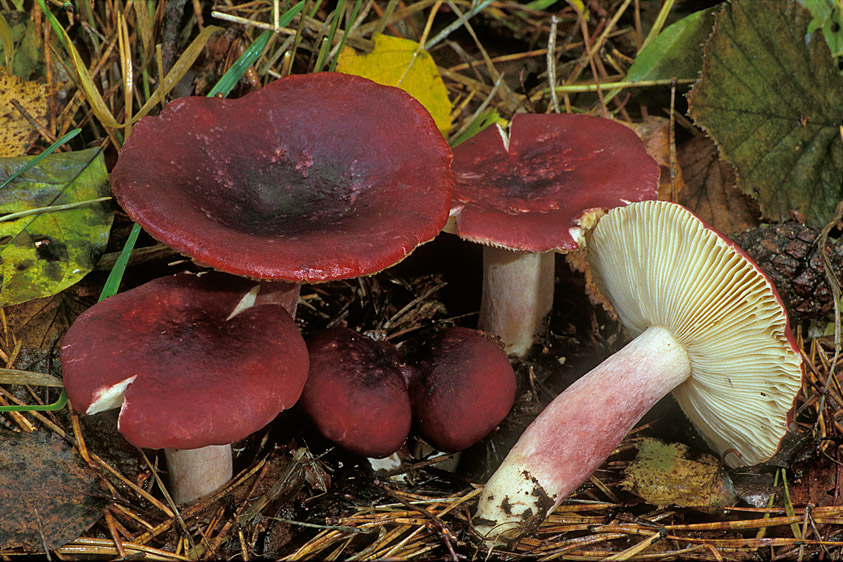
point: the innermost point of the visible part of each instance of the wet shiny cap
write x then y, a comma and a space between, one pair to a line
528, 190
185, 373
311, 178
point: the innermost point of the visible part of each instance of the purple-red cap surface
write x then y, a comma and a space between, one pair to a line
463, 388
311, 178
188, 375
356, 393
529, 196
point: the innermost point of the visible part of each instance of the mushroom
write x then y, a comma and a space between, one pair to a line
530, 195
707, 324
311, 178
188, 376
356, 393
461, 389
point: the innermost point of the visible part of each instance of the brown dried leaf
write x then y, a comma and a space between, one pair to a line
815, 484
671, 474
48, 496
655, 132
16, 133
40, 322
710, 190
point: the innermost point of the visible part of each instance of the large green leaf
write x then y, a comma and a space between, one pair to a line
771, 96
676, 52
45, 250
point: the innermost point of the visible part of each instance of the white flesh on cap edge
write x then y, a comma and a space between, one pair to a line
111, 397
707, 325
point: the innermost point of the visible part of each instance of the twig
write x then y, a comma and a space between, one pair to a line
551, 63
172, 18
447, 533
822, 242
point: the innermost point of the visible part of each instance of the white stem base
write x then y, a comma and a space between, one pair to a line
577, 432
517, 296
193, 473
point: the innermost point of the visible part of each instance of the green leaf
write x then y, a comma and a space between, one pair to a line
487, 118
771, 96
676, 52
54, 224
27, 48
828, 18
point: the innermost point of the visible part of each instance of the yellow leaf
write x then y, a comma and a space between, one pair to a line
670, 474
402, 63
16, 133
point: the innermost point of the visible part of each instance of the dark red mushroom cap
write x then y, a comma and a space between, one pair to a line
463, 388
356, 394
529, 195
311, 178
188, 376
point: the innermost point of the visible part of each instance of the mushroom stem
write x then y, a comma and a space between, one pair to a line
193, 473
577, 432
517, 296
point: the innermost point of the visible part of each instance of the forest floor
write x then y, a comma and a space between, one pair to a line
298, 497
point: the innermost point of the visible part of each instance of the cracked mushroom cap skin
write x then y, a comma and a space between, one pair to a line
356, 393
530, 195
746, 369
186, 375
311, 178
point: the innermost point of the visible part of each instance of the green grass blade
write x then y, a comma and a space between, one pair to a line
250, 55
456, 24
37, 159
57, 405
335, 16
115, 276
353, 17
240, 66
288, 16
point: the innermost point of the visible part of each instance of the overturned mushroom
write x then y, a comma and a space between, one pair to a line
708, 326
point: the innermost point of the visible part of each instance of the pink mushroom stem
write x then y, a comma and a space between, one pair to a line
517, 296
194, 473
578, 431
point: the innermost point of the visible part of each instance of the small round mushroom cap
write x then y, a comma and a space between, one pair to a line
187, 375
530, 193
463, 388
746, 369
311, 178
356, 394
